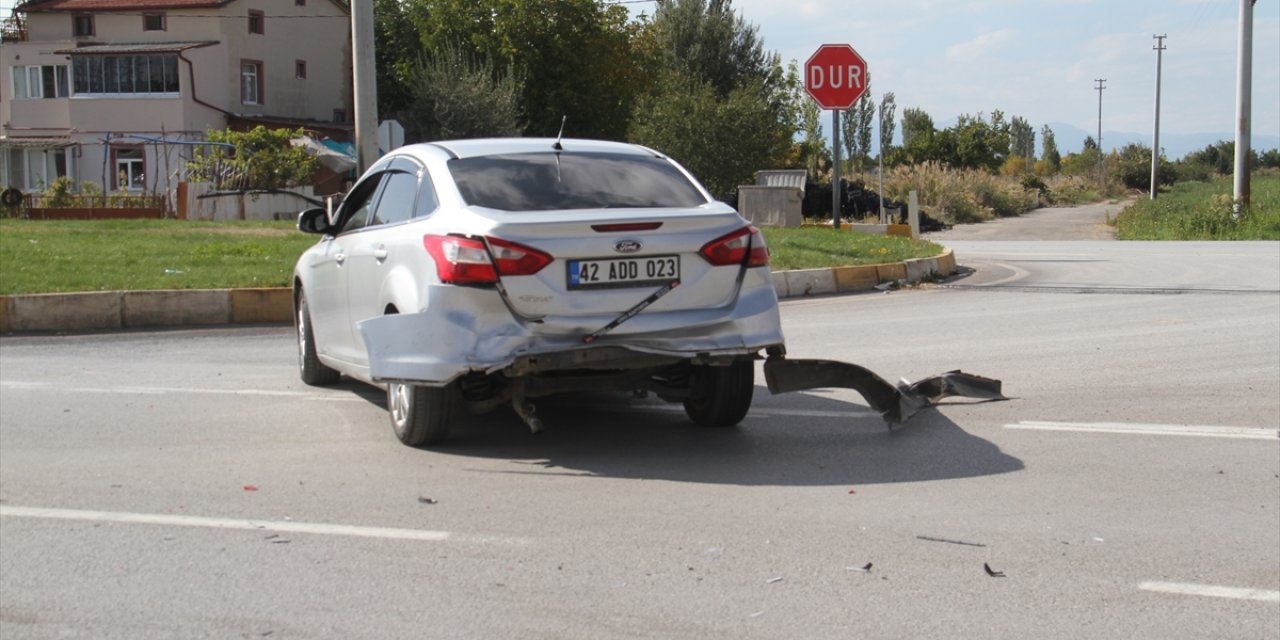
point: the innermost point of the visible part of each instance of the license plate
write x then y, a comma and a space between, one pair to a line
623, 272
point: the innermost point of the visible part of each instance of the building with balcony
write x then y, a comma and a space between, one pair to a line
123, 92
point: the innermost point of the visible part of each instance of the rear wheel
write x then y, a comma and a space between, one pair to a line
420, 415
721, 396
312, 371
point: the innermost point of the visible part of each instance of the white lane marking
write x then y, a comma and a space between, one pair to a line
252, 525
754, 413
1202, 431
305, 395
1213, 591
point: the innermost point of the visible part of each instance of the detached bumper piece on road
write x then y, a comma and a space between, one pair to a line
894, 403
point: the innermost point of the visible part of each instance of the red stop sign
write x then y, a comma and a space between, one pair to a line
836, 76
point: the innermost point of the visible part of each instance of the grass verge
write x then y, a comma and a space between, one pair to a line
39, 256
1203, 211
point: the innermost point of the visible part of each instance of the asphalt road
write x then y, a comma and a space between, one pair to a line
185, 484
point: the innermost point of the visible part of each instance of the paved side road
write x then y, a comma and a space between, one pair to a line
1085, 222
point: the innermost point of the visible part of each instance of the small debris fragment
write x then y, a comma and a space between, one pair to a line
853, 492
249, 487
866, 568
757, 614
276, 539
426, 500
773, 580
991, 572
961, 542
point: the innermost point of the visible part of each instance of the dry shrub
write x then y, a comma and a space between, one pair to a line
959, 195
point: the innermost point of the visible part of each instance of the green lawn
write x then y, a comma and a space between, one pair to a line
1203, 211
38, 256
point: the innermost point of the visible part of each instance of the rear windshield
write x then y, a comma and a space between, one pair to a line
550, 181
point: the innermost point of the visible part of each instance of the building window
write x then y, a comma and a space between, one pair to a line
34, 169
340, 116
251, 82
129, 165
131, 75
300, 69
153, 22
256, 18
82, 25
40, 81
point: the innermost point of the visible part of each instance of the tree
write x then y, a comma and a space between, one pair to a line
397, 52
917, 135
262, 159
689, 121
1049, 151
720, 104
1133, 168
857, 129
888, 107
1022, 140
459, 95
575, 57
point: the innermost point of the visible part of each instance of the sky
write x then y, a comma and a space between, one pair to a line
1040, 59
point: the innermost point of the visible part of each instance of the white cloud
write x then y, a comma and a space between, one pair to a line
979, 46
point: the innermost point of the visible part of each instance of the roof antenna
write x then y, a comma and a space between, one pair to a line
557, 146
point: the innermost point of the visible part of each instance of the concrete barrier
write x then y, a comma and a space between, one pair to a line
261, 305
175, 307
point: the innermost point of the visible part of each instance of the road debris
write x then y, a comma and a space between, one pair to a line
960, 542
249, 487
276, 539
866, 568
894, 403
426, 500
991, 572
773, 580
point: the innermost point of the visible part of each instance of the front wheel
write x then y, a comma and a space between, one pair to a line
310, 369
721, 396
421, 416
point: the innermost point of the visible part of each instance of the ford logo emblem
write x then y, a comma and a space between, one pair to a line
627, 246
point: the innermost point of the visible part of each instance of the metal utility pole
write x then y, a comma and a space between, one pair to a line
835, 169
1102, 180
1244, 93
365, 80
1155, 144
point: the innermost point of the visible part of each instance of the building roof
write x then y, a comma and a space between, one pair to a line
137, 47
117, 5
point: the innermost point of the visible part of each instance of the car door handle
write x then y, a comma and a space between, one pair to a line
380, 253
340, 258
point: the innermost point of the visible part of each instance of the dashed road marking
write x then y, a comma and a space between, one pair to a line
386, 533
1212, 591
1201, 431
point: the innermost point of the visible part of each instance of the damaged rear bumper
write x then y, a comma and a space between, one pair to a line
894, 403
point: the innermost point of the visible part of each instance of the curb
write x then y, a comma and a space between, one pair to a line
120, 310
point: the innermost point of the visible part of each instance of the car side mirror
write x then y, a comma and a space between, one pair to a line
315, 220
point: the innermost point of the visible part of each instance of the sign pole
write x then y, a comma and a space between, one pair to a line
835, 169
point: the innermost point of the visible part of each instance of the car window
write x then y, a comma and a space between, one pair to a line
396, 202
355, 208
427, 201
549, 181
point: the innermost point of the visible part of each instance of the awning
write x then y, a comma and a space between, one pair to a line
35, 143
135, 47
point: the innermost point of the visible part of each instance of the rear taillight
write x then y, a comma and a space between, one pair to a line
467, 260
746, 245
517, 260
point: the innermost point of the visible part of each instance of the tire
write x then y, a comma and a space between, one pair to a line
721, 396
310, 369
421, 416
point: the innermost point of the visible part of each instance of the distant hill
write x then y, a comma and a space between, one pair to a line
1070, 139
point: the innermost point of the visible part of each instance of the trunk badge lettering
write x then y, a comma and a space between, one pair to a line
627, 246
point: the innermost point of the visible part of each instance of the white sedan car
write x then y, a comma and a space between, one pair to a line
470, 274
